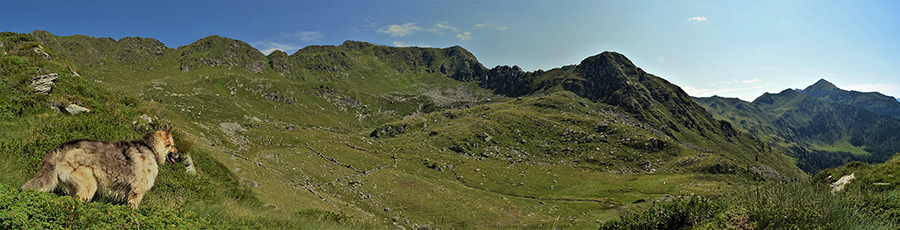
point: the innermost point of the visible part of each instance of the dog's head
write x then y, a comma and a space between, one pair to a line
163, 140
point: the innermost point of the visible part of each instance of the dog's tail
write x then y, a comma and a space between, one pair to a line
45, 180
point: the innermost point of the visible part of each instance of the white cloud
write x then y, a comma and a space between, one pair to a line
698, 18
497, 26
402, 44
400, 30
440, 28
464, 36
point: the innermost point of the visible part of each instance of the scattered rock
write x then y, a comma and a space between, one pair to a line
147, 118
189, 165
39, 50
44, 84
76, 109
666, 198
838, 185
249, 183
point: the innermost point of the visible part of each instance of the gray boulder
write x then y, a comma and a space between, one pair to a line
44, 84
76, 109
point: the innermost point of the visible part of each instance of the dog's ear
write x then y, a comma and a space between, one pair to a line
166, 128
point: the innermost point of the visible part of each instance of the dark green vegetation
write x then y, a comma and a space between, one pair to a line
868, 202
818, 132
378, 136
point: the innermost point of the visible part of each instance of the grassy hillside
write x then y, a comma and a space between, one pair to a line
31, 128
381, 136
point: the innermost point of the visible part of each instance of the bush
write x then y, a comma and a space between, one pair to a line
677, 214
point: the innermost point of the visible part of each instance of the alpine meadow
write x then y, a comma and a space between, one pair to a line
367, 136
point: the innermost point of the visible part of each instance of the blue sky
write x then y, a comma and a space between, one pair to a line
727, 48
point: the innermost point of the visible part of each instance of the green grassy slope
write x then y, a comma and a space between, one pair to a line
385, 136
31, 128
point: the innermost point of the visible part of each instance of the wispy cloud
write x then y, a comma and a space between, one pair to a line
464, 36
309, 36
402, 44
440, 28
881, 88
751, 81
287, 42
694, 91
497, 26
437, 29
269, 47
754, 80
400, 30
698, 19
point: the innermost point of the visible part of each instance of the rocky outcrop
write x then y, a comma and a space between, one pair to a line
509, 81
838, 185
389, 131
39, 50
278, 61
43, 84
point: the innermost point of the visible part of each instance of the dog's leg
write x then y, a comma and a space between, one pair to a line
85, 183
135, 198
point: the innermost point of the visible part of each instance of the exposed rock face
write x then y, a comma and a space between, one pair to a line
44, 84
466, 67
279, 62
76, 109
609, 78
509, 81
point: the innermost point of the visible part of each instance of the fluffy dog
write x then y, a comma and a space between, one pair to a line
123, 170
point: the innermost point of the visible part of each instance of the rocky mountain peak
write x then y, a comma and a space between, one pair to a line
822, 84
218, 51
355, 45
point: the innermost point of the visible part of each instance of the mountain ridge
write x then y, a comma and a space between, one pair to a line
872, 101
820, 132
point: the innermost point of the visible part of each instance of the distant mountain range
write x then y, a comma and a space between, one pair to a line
822, 126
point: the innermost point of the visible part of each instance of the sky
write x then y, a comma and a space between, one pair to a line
727, 48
